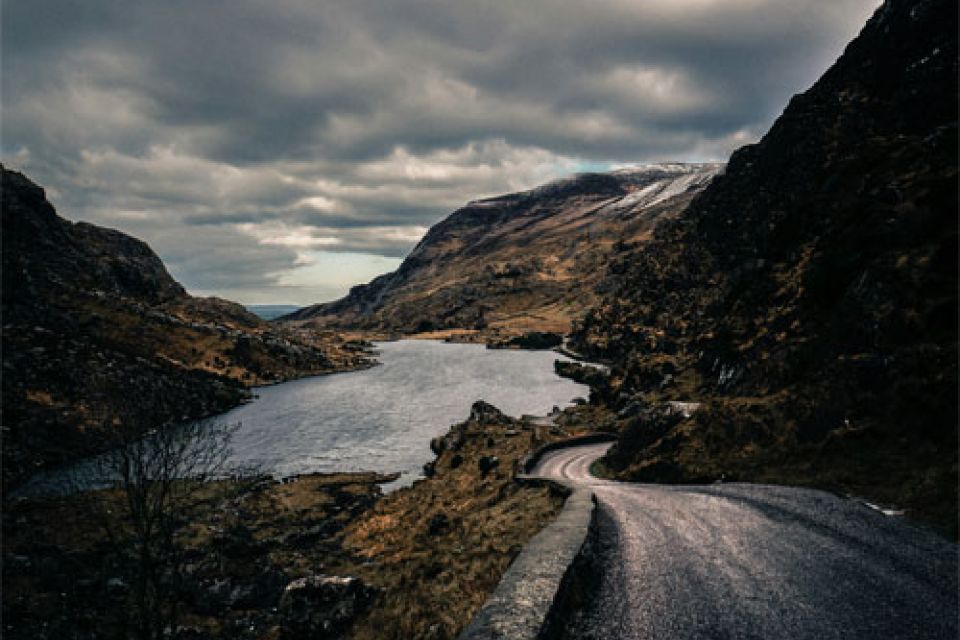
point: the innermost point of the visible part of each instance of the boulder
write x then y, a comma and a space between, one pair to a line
538, 340
323, 606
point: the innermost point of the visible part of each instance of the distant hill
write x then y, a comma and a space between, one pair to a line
97, 333
529, 261
808, 296
271, 311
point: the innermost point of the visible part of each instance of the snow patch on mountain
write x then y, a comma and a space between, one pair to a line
662, 182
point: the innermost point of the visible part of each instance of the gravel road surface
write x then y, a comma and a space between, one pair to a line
757, 561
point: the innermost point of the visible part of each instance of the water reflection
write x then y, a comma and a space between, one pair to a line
379, 419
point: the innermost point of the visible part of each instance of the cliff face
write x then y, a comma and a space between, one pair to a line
809, 295
521, 262
45, 255
96, 333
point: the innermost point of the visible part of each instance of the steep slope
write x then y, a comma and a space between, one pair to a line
809, 295
519, 262
96, 332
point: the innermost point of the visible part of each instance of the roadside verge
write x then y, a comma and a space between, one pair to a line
550, 571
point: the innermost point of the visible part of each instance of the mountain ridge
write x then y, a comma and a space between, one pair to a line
517, 262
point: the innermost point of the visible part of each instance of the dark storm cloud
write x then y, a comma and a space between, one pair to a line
291, 127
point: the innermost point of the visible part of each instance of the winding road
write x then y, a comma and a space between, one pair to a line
756, 561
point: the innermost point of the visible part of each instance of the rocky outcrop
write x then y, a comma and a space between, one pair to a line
809, 294
533, 340
439, 547
485, 413
97, 334
481, 413
518, 263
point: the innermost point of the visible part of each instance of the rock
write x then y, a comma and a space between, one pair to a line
453, 440
323, 606
487, 464
116, 586
438, 524
485, 413
685, 409
262, 592
632, 408
584, 374
17, 564
237, 542
534, 340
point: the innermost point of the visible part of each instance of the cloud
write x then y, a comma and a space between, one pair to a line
241, 139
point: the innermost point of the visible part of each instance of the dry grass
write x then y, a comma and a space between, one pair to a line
435, 578
434, 571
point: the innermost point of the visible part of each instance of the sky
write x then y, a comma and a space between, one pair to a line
281, 151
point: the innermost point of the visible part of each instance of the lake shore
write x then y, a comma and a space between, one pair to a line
427, 555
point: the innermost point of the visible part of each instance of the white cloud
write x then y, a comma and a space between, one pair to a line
242, 140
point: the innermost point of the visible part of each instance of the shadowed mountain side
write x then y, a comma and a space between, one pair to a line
527, 261
96, 332
809, 294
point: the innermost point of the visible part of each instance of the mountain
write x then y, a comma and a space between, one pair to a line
808, 296
528, 261
96, 333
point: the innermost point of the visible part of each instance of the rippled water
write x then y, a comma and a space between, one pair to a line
382, 419
379, 419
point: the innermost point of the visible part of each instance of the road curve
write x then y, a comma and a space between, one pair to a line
756, 561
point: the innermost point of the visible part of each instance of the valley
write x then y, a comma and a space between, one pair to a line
729, 390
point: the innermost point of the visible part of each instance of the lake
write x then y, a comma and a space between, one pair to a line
378, 419
382, 419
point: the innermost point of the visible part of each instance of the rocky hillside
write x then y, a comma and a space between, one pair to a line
808, 296
520, 262
96, 332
